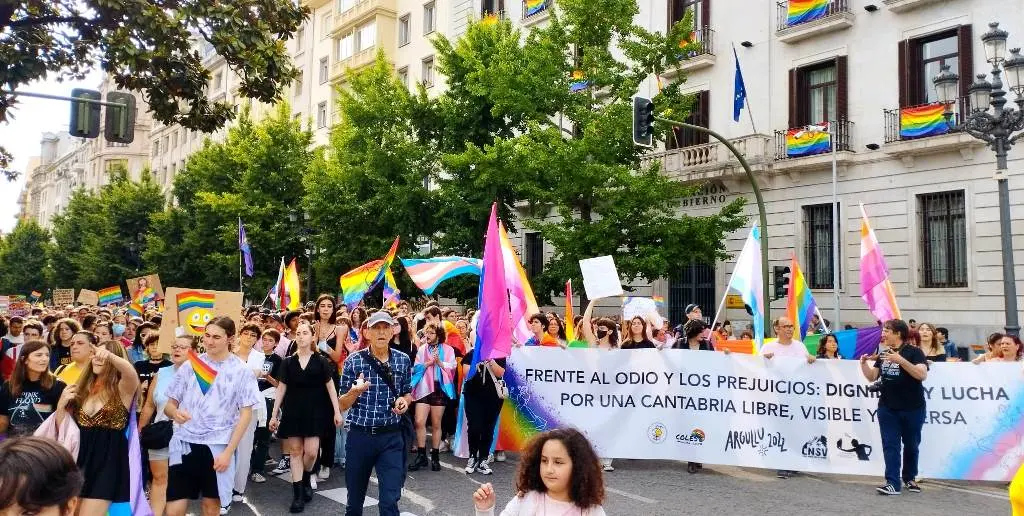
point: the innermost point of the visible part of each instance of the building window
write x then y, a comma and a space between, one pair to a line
366, 37
218, 81
403, 76
321, 115
699, 115
534, 255
429, 17
325, 25
345, 5
324, 72
404, 30
821, 92
300, 35
156, 147
428, 72
920, 60
492, 7
943, 230
167, 143
116, 164
345, 46
818, 252
174, 139
701, 12
818, 93
298, 82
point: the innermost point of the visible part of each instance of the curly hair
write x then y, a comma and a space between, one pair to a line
586, 486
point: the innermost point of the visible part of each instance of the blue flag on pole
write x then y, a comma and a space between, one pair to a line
243, 246
739, 90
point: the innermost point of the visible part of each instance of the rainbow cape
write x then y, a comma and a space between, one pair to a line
428, 273
922, 121
802, 11
800, 305
110, 295
205, 374
806, 141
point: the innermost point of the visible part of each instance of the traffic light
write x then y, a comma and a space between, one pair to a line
119, 124
85, 116
781, 282
643, 122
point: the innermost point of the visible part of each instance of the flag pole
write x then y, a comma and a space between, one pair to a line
746, 98
835, 227
240, 257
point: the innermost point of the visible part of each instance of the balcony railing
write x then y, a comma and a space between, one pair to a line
923, 121
700, 43
755, 148
832, 8
786, 149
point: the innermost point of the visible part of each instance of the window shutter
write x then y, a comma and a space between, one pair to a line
842, 89
901, 65
705, 113
794, 98
705, 9
966, 58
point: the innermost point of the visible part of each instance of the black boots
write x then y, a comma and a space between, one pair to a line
421, 460
298, 499
435, 461
307, 487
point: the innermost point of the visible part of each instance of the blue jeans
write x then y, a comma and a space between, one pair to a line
339, 441
386, 453
900, 427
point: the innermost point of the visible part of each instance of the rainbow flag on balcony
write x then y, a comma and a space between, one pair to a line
921, 121
807, 141
579, 81
802, 11
535, 6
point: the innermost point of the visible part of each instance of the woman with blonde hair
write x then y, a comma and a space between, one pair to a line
99, 402
930, 345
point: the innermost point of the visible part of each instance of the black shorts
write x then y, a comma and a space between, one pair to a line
435, 399
194, 477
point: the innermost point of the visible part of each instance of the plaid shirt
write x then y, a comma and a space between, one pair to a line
373, 407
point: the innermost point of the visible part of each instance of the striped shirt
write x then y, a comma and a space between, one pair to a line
373, 407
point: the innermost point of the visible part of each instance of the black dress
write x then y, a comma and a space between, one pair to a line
304, 413
103, 452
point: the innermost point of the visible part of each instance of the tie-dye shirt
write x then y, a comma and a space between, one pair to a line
214, 414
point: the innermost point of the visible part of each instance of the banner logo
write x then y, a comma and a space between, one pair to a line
656, 432
696, 437
816, 448
757, 439
851, 446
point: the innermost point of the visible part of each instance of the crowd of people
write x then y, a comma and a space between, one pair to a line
353, 391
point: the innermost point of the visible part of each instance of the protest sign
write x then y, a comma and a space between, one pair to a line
643, 307
747, 411
145, 289
600, 279
19, 308
192, 308
88, 297
63, 296
5, 303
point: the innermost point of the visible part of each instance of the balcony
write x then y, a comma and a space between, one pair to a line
796, 150
362, 12
536, 11
920, 130
899, 6
357, 61
713, 160
793, 27
699, 53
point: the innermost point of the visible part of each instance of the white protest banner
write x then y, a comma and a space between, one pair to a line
744, 410
600, 278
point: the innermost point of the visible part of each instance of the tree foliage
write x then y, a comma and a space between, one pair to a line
147, 46
23, 255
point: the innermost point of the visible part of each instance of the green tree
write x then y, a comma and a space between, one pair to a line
147, 46
255, 174
23, 255
370, 184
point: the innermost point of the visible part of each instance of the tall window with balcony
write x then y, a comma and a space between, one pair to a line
702, 33
699, 115
818, 94
346, 46
324, 69
428, 72
818, 238
321, 115
366, 37
429, 17
325, 25
488, 7
942, 229
404, 30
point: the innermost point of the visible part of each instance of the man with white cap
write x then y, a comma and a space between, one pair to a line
376, 383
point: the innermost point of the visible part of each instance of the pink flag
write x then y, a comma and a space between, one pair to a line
494, 327
520, 295
875, 287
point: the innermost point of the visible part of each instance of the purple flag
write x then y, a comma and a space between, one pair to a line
494, 326
137, 505
243, 246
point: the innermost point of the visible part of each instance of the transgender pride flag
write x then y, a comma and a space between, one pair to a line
747, 281
875, 287
428, 273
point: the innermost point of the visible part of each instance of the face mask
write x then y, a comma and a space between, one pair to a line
602, 333
118, 330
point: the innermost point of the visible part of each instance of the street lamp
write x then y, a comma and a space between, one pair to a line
304, 234
997, 128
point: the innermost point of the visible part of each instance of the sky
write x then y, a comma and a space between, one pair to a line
21, 134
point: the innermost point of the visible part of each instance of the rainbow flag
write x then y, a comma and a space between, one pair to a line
806, 141
659, 302
535, 6
852, 343
802, 11
579, 81
522, 302
147, 295
110, 295
190, 299
205, 374
800, 305
135, 308
922, 121
428, 273
391, 292
36, 295
357, 282
570, 328
875, 288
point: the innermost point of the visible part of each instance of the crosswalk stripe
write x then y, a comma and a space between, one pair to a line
340, 495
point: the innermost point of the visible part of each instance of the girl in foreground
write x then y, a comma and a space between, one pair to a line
559, 475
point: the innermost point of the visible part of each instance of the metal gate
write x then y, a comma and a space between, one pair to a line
694, 283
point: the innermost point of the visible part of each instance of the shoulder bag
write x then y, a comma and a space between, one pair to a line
499, 383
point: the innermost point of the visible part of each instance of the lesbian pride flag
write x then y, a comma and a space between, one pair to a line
875, 287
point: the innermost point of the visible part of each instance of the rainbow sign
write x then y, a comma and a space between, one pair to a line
110, 295
802, 11
922, 121
806, 141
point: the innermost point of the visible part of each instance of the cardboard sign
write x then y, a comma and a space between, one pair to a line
147, 286
88, 297
19, 308
600, 279
192, 308
63, 296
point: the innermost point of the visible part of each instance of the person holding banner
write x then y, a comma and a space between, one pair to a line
901, 407
637, 335
1007, 348
785, 346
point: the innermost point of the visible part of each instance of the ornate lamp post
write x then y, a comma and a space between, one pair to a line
999, 127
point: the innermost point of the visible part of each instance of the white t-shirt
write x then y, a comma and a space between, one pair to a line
795, 349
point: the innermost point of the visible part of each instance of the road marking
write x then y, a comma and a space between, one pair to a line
740, 473
340, 495
631, 496
412, 496
951, 487
457, 469
251, 507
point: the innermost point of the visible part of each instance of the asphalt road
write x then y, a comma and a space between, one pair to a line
651, 487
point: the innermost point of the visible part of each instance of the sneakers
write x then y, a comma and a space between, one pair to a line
911, 486
483, 468
312, 482
783, 474
283, 467
257, 478
325, 473
237, 497
608, 467
499, 456
471, 466
445, 447
887, 490
270, 462
225, 510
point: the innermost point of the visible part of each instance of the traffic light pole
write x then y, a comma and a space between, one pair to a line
760, 210
61, 97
